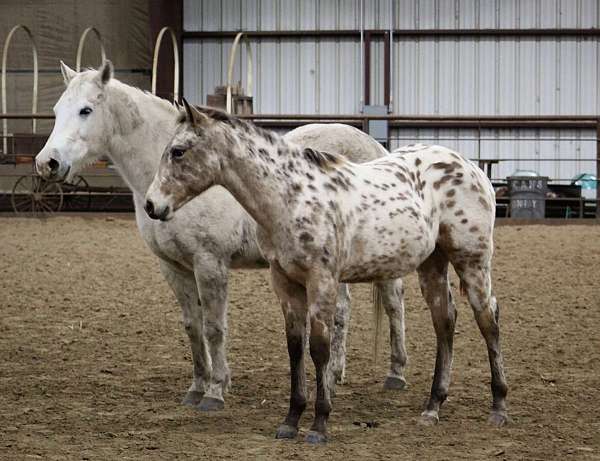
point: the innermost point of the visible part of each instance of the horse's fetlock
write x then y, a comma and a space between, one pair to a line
499, 390
298, 403
323, 407
439, 395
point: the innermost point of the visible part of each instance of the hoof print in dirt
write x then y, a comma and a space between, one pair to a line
286, 432
192, 398
315, 438
393, 383
211, 404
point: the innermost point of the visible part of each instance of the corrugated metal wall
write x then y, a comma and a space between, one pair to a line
447, 76
442, 76
542, 150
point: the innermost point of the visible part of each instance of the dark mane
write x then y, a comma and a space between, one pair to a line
215, 114
238, 123
322, 159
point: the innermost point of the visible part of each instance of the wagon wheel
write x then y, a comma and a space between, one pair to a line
77, 194
34, 195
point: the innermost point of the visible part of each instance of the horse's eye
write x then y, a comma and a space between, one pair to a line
177, 153
85, 111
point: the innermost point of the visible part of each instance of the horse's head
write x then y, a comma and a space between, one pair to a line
81, 128
190, 163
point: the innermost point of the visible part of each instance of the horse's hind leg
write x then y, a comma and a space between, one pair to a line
392, 299
475, 276
433, 278
337, 363
184, 286
211, 277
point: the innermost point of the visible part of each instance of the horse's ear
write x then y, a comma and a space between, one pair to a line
105, 72
192, 115
67, 72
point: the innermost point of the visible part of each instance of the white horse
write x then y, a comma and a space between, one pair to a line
324, 220
99, 115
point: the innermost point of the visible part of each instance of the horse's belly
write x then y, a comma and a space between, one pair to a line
388, 258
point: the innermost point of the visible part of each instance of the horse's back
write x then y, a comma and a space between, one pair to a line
337, 138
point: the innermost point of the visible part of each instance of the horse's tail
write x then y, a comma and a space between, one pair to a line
377, 319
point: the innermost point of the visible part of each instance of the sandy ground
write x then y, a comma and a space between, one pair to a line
94, 360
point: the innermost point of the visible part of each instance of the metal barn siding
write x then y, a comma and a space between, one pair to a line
496, 76
530, 148
445, 76
290, 76
466, 75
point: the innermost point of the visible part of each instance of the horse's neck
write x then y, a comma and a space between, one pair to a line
143, 125
257, 182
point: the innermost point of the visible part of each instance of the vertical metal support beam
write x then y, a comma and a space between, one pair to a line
361, 53
367, 79
390, 74
386, 70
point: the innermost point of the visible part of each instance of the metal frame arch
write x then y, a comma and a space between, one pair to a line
175, 61
232, 54
82, 40
35, 81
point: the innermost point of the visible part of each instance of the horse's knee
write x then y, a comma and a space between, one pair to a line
215, 332
191, 328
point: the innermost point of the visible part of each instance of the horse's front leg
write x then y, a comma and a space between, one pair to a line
211, 278
184, 286
293, 303
321, 292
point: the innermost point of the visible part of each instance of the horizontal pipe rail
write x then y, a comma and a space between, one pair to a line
397, 33
400, 121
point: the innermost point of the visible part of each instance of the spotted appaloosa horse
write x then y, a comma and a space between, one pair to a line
324, 220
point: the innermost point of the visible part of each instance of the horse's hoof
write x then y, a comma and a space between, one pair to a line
429, 418
315, 437
192, 398
211, 404
393, 383
286, 432
498, 418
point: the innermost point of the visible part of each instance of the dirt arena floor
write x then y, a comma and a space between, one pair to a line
94, 359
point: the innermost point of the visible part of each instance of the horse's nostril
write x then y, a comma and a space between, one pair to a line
53, 165
149, 207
